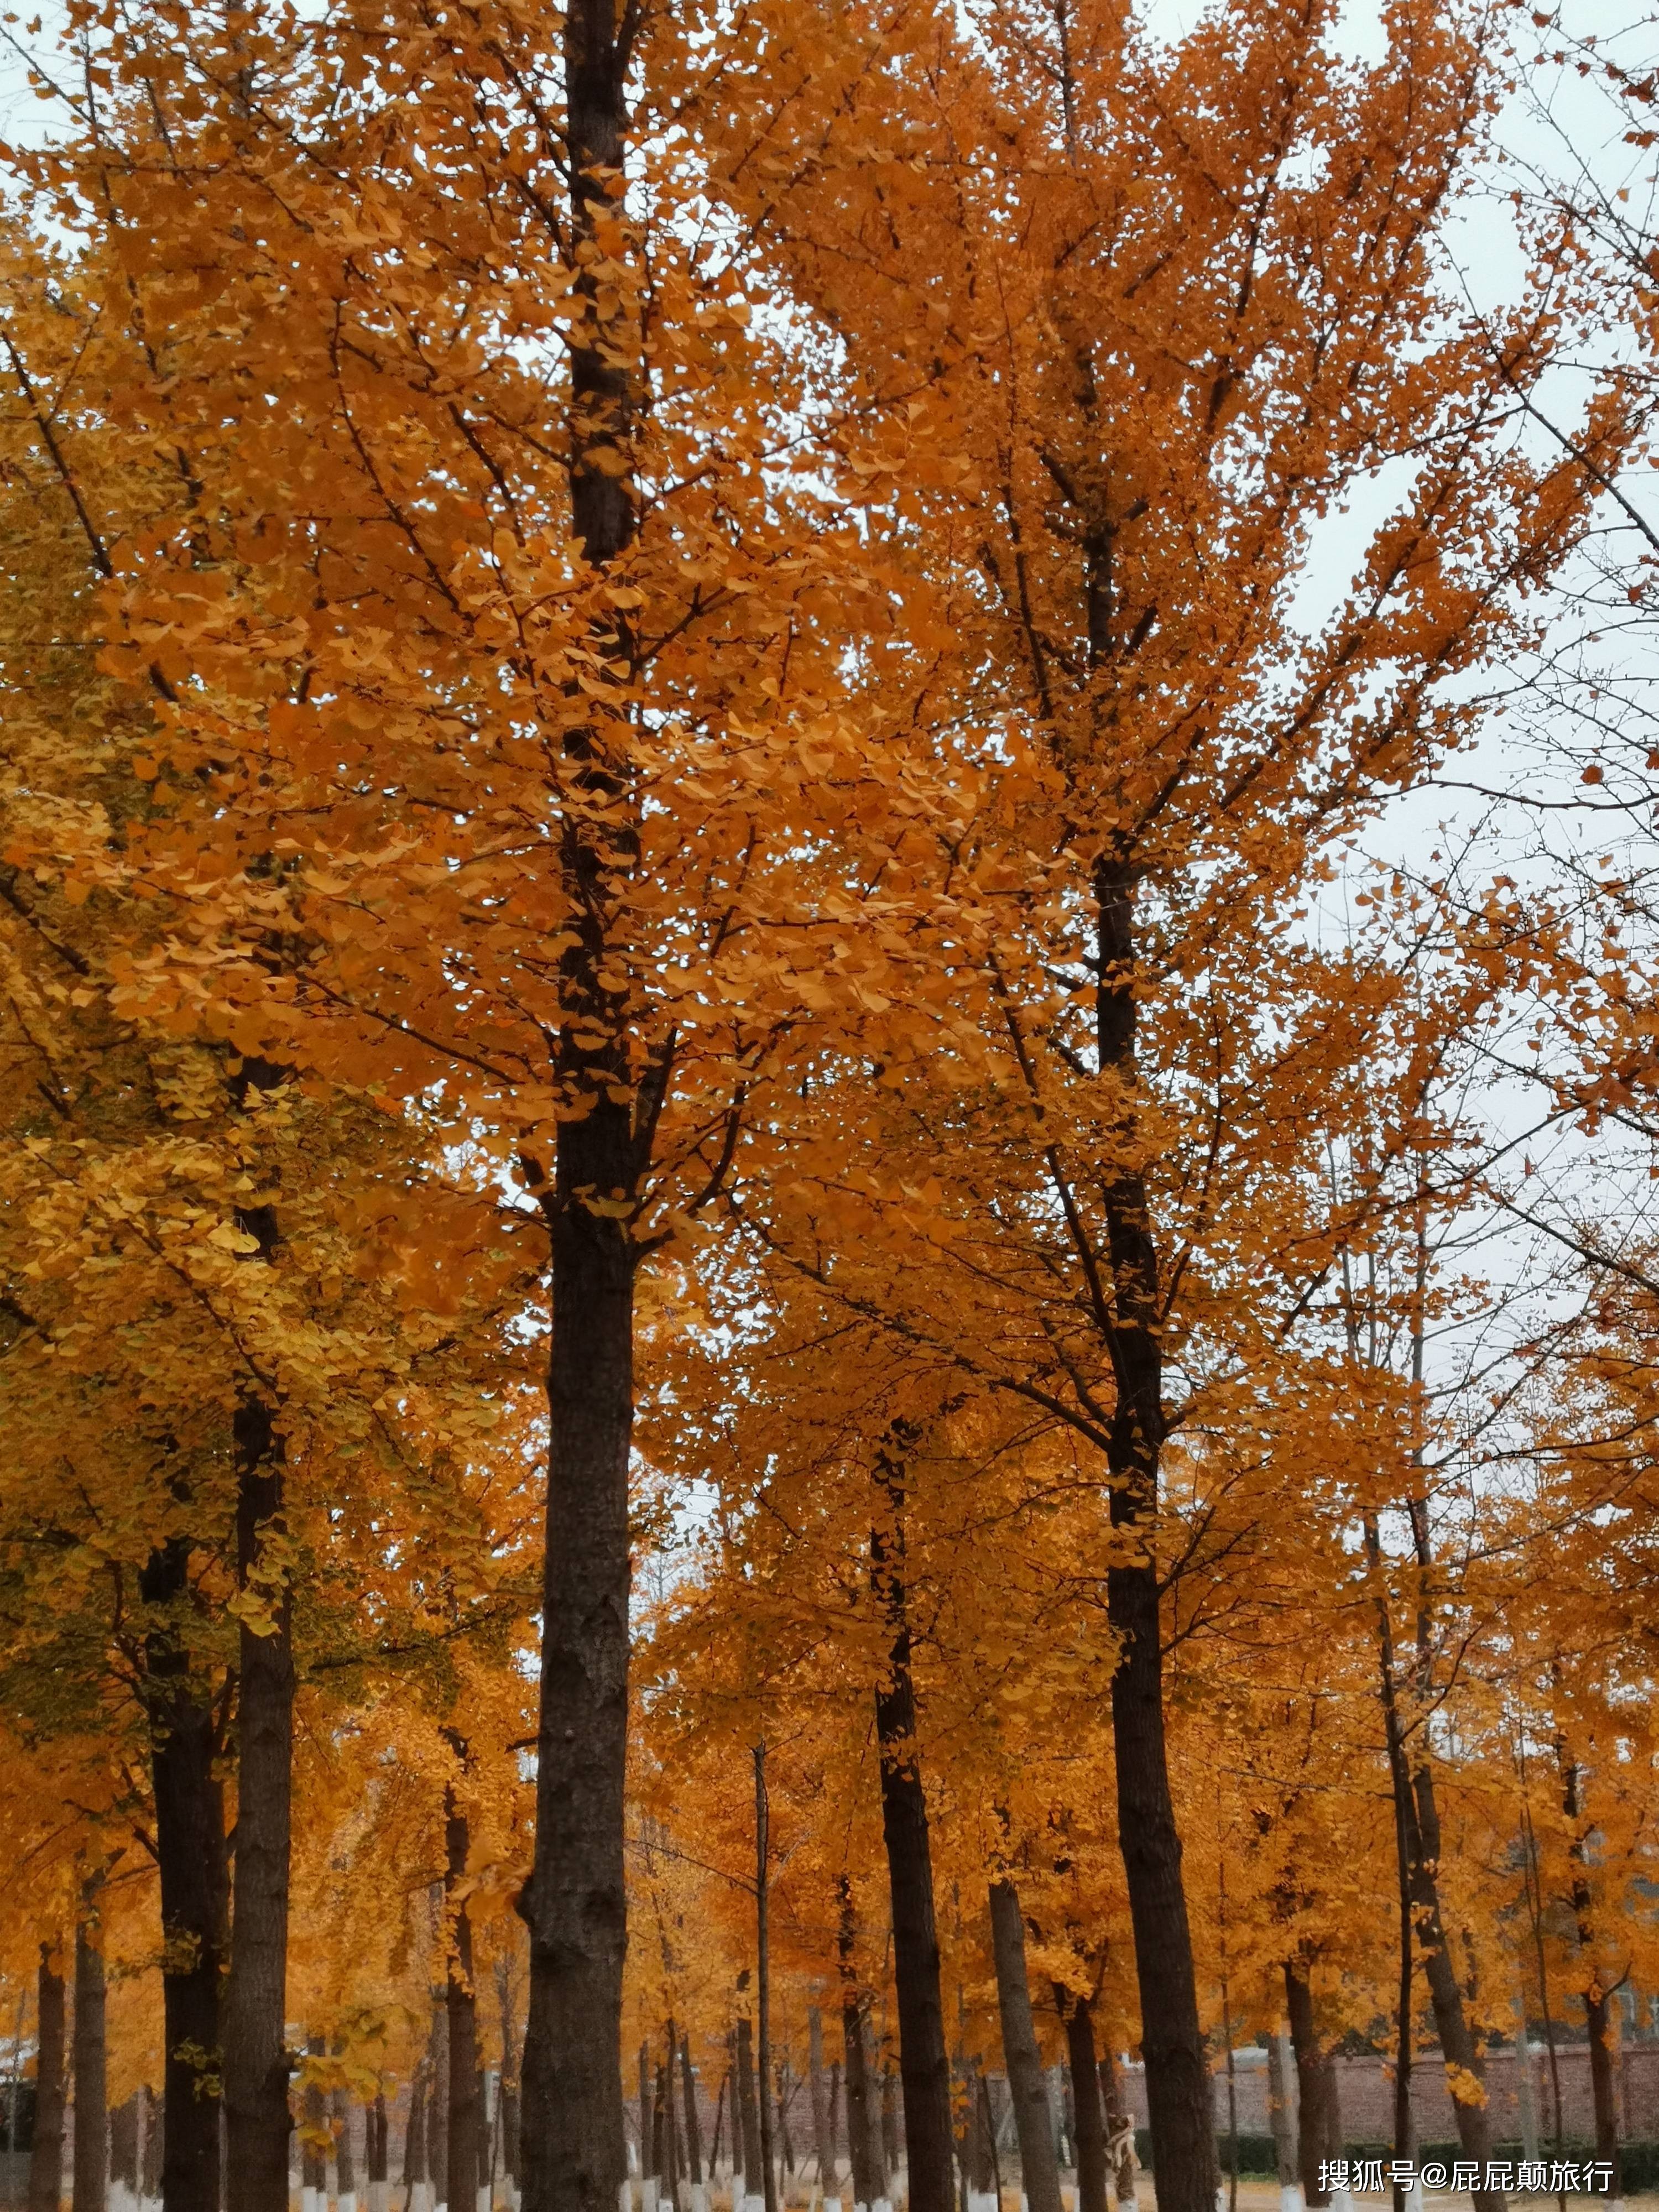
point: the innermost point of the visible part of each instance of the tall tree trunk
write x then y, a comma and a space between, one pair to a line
764, 1980
377, 2165
1598, 2008
190, 1849
1172, 2039
574, 1903
437, 2121
862, 2141
1418, 1813
415, 2148
313, 2159
924, 2057
1089, 2118
820, 2104
1315, 2083
255, 2059
892, 2146
124, 2152
91, 2179
509, 2088
693, 2128
155, 2145
749, 2111
47, 2155
1039, 2169
345, 2165
461, 2023
1281, 2112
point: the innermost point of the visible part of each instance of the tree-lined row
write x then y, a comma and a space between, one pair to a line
684, 697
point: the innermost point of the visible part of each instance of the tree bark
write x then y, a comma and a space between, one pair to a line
47, 2155
1282, 2110
574, 1903
1087, 2113
190, 1849
345, 2166
1039, 2169
924, 2057
123, 2144
155, 2145
1315, 2084
313, 2159
255, 2059
91, 2175
1172, 2038
461, 2026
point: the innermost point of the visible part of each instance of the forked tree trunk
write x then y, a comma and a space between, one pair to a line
255, 2059
1039, 2168
190, 1849
924, 2057
574, 1903
91, 2175
47, 2155
1172, 2038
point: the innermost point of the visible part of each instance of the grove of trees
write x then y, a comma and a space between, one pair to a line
830, 1038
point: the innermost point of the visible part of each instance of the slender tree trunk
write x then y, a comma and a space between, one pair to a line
190, 1847
892, 2147
763, 1979
91, 2177
693, 2130
748, 2109
1039, 2169
313, 2159
123, 2149
345, 2165
47, 2155
1172, 2038
1086, 2107
863, 2152
377, 2164
415, 2150
437, 2123
1598, 2009
924, 2055
1418, 1813
574, 1903
1282, 2110
1315, 2085
461, 2020
255, 2059
155, 2145
820, 2107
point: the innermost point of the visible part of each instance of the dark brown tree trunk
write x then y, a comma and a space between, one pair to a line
91, 2176
47, 2155
255, 2059
659, 2155
1315, 2084
748, 2108
123, 2144
377, 2163
190, 1849
1039, 2169
924, 2057
1172, 2039
1087, 2111
461, 2009
693, 2131
574, 1903
437, 2116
